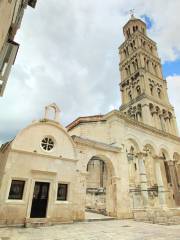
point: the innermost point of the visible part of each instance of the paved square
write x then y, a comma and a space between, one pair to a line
100, 230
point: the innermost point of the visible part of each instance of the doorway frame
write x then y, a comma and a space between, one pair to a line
46, 206
111, 188
31, 192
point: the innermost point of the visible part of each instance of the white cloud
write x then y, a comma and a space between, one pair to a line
173, 90
69, 55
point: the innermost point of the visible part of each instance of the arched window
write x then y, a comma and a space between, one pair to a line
155, 69
170, 117
136, 61
131, 46
157, 109
127, 73
134, 29
147, 65
129, 69
130, 95
134, 66
151, 108
130, 154
127, 51
128, 33
159, 92
138, 89
166, 166
151, 89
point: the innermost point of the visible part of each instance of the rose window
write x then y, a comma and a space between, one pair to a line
47, 144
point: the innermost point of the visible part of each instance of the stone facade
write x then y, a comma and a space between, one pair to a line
11, 12
125, 164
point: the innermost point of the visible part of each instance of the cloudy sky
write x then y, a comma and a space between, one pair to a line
69, 55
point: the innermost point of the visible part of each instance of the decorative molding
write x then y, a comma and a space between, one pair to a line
96, 144
38, 171
43, 155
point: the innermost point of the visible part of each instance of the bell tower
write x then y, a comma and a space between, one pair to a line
144, 91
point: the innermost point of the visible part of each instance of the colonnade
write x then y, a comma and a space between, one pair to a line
160, 189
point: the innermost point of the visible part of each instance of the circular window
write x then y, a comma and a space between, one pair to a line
47, 143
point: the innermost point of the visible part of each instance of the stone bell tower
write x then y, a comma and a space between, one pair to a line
144, 91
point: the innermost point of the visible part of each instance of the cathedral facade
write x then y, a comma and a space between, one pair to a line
124, 164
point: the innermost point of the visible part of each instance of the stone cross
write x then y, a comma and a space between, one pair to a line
132, 12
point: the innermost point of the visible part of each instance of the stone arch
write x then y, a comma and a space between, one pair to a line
165, 156
132, 140
164, 152
101, 192
151, 144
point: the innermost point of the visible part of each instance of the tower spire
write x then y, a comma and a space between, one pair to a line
144, 91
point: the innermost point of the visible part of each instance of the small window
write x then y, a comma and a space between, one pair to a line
159, 92
167, 171
151, 88
47, 144
130, 96
16, 190
62, 192
135, 166
138, 89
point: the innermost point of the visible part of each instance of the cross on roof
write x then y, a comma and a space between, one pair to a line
132, 12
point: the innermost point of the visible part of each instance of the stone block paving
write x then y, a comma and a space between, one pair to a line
100, 230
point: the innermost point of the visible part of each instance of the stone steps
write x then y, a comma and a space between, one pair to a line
99, 219
37, 222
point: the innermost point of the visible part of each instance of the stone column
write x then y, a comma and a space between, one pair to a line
174, 181
161, 191
162, 122
156, 120
159, 71
143, 179
174, 123
146, 115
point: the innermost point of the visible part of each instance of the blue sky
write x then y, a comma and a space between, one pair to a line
170, 68
148, 20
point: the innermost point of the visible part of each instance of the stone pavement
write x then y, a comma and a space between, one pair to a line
96, 216
100, 230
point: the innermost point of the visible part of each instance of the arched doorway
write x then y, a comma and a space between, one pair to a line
100, 187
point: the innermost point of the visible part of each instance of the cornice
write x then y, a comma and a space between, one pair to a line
96, 144
43, 155
132, 20
138, 51
134, 35
146, 97
142, 72
135, 100
87, 119
141, 125
133, 123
